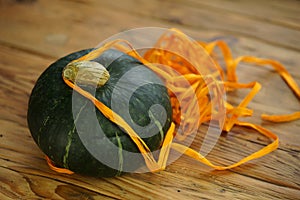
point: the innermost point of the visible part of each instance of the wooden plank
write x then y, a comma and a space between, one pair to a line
34, 186
80, 24
222, 20
177, 181
57, 39
28, 46
274, 11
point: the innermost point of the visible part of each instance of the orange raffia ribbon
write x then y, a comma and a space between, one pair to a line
57, 169
200, 84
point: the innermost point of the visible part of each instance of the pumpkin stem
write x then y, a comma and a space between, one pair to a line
86, 73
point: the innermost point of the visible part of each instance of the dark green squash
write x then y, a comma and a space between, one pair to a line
51, 116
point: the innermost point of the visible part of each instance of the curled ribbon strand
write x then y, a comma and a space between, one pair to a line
200, 85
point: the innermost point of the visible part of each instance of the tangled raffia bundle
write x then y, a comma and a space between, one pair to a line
208, 83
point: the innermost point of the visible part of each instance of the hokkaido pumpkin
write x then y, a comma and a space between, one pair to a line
52, 121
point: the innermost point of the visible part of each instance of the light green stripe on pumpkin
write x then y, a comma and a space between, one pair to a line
67, 149
70, 136
120, 155
158, 124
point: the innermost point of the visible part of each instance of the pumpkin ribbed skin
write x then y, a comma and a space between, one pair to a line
51, 119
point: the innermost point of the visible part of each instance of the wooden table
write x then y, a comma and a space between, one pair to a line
34, 33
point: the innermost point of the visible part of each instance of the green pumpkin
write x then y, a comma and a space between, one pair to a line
62, 122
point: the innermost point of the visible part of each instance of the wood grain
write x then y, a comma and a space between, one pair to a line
34, 33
